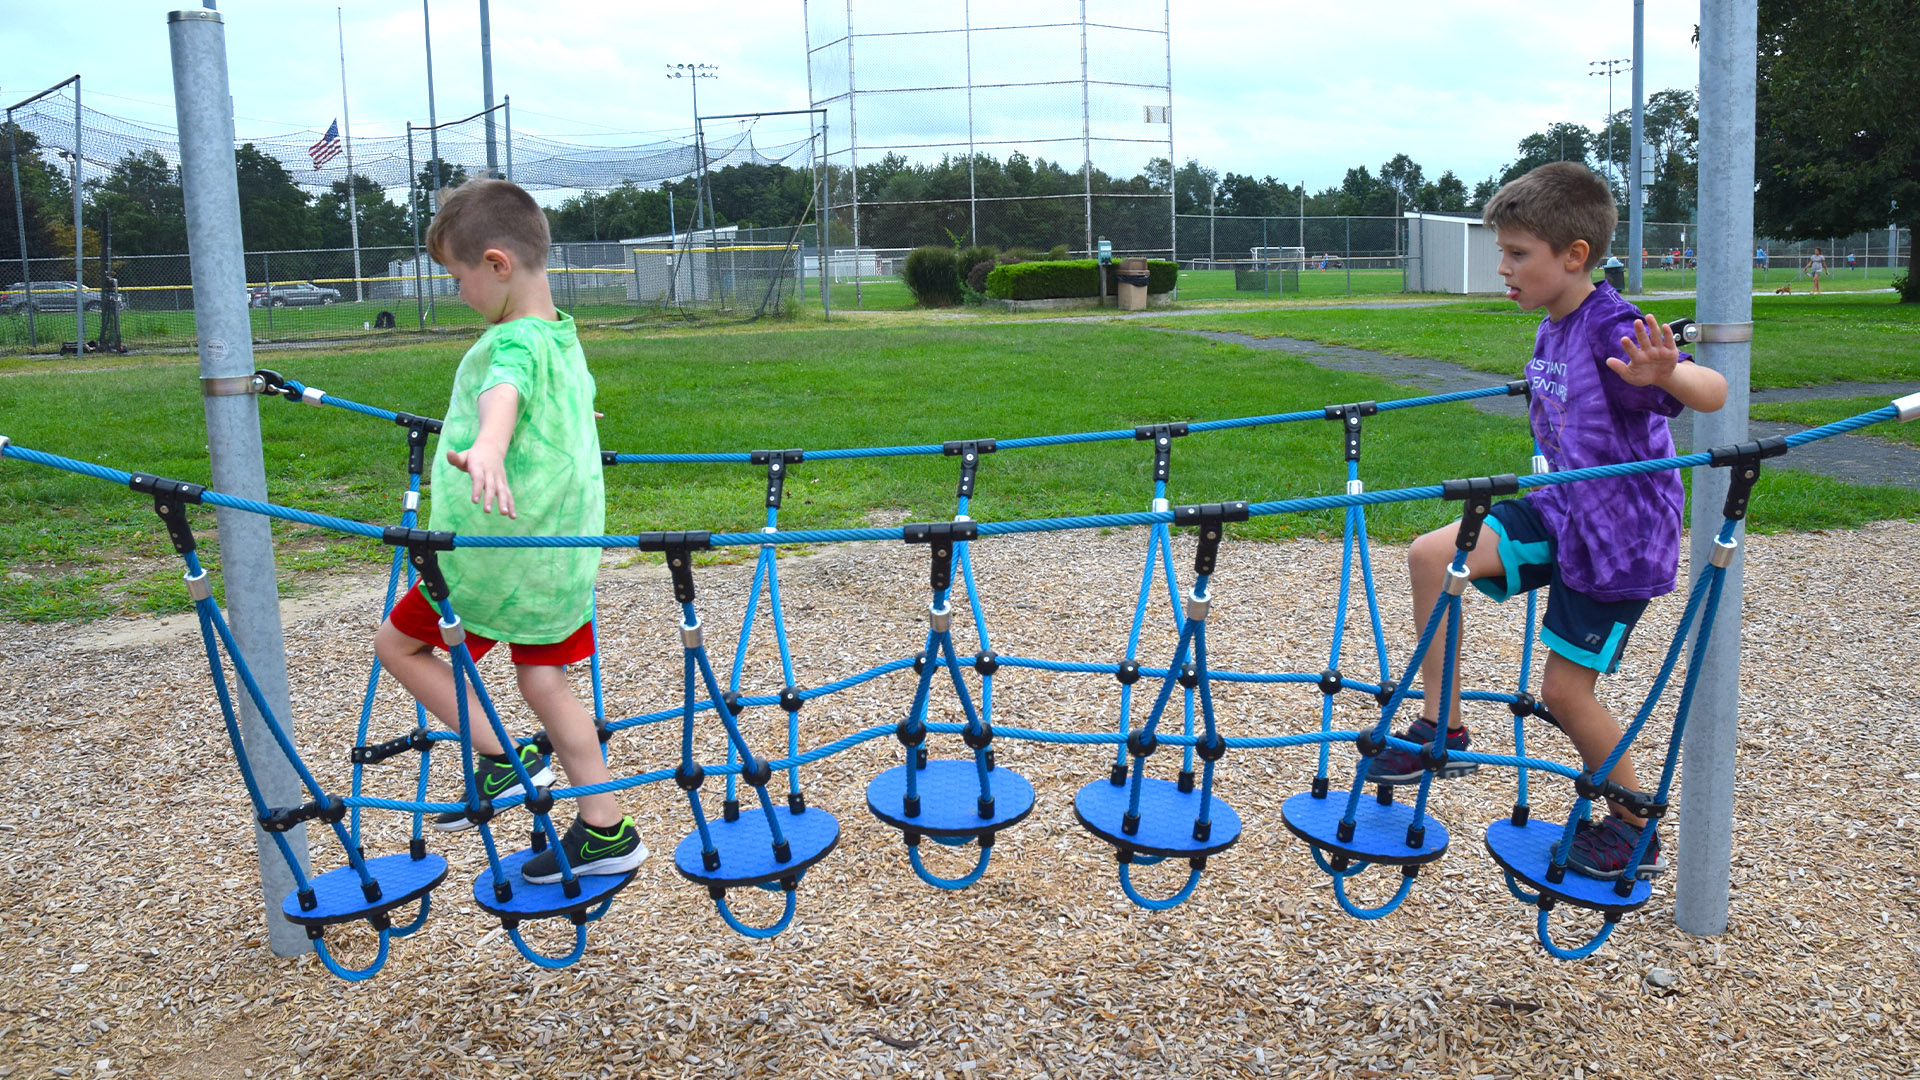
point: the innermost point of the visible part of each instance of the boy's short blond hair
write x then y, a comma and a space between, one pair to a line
1558, 202
482, 214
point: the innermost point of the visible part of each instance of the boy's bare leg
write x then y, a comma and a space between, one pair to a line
430, 680
1427, 563
575, 742
1567, 690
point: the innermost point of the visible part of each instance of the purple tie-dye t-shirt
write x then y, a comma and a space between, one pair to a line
1619, 537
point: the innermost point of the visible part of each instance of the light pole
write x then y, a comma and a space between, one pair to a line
693, 73
1609, 68
79, 275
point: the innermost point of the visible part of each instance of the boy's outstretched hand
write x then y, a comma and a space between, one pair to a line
1652, 354
487, 466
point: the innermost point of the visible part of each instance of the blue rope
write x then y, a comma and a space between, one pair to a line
920, 871
1178, 898
726, 913
553, 962
1358, 912
1581, 953
351, 974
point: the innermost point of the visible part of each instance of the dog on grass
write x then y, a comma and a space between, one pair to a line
1787, 288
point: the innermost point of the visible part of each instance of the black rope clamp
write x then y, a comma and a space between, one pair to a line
421, 545
272, 382
418, 428
940, 536
968, 451
1162, 436
378, 752
1128, 672
330, 810
169, 499
679, 548
1745, 459
1477, 493
1349, 416
776, 462
1210, 517
1330, 681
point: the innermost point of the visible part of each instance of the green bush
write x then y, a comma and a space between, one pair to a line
971, 257
932, 274
1058, 253
1908, 287
1067, 278
977, 277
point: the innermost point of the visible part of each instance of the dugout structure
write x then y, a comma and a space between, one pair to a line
1031, 124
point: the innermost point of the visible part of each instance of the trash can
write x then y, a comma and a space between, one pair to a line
1616, 272
1133, 284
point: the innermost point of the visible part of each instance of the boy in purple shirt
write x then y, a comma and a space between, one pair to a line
1603, 548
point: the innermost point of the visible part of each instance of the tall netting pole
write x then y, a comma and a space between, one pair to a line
20, 220
346, 138
79, 268
212, 196
1729, 35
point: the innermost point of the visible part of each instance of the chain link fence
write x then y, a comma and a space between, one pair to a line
305, 295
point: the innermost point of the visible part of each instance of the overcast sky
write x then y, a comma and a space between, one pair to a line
1301, 91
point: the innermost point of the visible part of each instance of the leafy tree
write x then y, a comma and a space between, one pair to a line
274, 215
36, 198
1560, 142
383, 223
1839, 116
1194, 187
450, 176
142, 192
1447, 195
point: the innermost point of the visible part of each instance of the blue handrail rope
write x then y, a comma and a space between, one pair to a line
331, 809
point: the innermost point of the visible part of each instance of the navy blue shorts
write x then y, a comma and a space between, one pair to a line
1591, 633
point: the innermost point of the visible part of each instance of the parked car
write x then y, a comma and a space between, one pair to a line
51, 296
300, 294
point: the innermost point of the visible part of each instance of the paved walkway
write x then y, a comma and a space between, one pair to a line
1844, 457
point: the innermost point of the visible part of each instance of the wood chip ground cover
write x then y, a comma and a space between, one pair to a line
135, 944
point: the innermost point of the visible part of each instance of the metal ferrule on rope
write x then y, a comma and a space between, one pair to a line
691, 635
411, 502
311, 395
199, 586
1723, 552
940, 619
1457, 578
452, 632
1197, 605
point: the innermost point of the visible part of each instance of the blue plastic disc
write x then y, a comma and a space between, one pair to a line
1167, 817
530, 901
950, 798
402, 879
1379, 832
746, 846
1526, 851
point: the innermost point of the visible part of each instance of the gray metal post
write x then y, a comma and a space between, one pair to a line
211, 187
433, 120
853, 156
506, 117
486, 86
79, 271
1086, 127
413, 217
966, 22
20, 219
346, 140
1636, 189
1728, 39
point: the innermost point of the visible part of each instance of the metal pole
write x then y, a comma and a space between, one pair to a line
1636, 187
486, 86
1173, 201
346, 139
211, 187
433, 122
966, 22
79, 272
20, 219
826, 288
413, 217
506, 117
1086, 127
853, 157
1266, 268
1728, 40
1346, 260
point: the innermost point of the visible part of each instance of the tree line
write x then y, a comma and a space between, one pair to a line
1838, 152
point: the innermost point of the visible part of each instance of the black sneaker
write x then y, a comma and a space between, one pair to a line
1601, 851
589, 851
495, 779
1396, 766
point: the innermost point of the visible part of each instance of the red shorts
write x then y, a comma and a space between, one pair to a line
416, 618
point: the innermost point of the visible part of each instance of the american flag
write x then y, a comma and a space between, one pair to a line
327, 148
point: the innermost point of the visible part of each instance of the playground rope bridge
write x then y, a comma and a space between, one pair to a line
970, 798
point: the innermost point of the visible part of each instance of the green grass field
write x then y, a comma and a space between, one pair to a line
82, 548
1798, 341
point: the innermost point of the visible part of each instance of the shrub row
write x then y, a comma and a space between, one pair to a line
1067, 278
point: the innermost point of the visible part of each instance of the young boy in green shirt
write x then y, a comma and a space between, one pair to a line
520, 425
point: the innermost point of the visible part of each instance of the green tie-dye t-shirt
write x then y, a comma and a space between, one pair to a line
532, 596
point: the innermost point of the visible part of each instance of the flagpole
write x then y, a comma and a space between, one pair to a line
346, 139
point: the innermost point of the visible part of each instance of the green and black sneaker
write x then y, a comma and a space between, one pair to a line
589, 851
495, 779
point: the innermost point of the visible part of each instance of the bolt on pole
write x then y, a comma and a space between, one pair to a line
212, 192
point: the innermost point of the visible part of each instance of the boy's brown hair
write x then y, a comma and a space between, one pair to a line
1559, 202
482, 214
